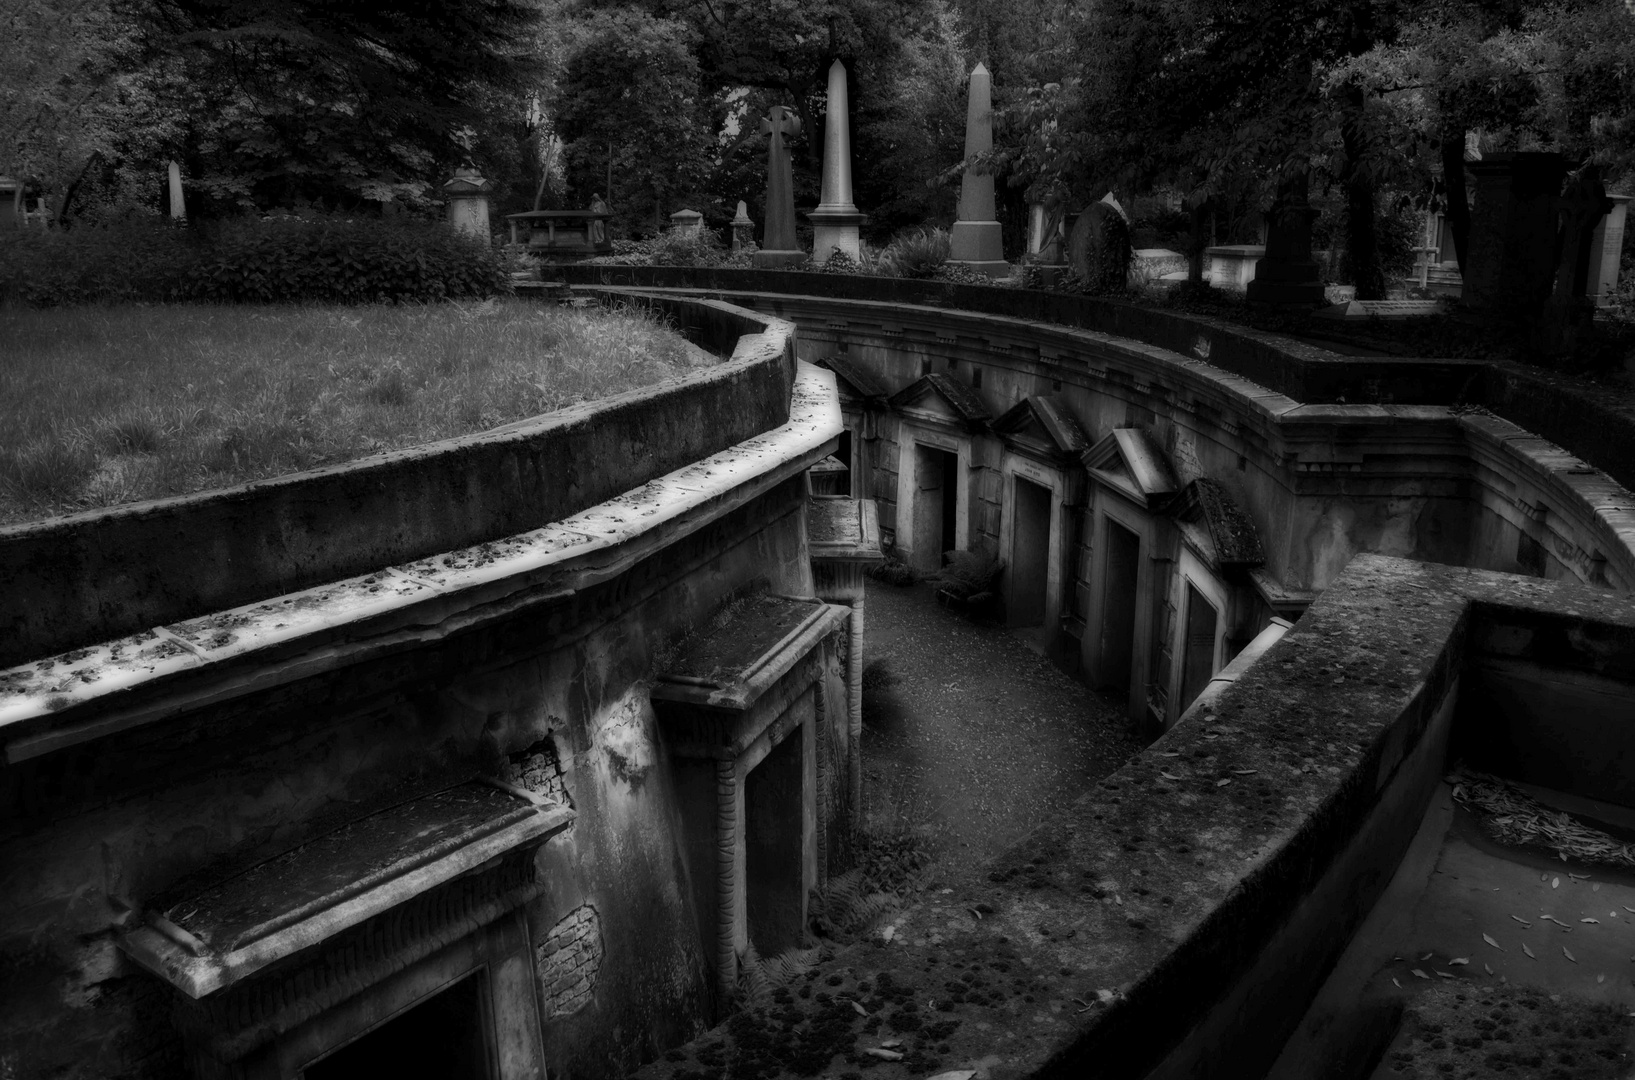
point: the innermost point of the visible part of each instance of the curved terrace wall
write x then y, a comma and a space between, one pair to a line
82, 578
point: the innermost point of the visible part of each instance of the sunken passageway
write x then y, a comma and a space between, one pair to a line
970, 736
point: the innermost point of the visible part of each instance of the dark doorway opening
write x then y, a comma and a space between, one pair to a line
1120, 567
1030, 553
444, 1037
936, 506
773, 837
1198, 660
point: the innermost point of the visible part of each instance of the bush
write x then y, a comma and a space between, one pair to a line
917, 254
255, 261
968, 578
671, 248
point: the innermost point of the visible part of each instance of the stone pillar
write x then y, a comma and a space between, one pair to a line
835, 222
779, 247
1287, 274
467, 195
1511, 258
178, 207
1606, 246
976, 238
743, 229
1036, 228
686, 222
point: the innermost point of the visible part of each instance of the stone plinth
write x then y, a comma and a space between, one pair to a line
1232, 266
1605, 248
836, 220
1287, 274
743, 228
1510, 261
467, 195
976, 238
687, 222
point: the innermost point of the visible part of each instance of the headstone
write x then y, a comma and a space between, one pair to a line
686, 222
1287, 274
1569, 311
467, 195
743, 229
178, 208
1606, 248
779, 247
976, 239
835, 222
1511, 255
1098, 249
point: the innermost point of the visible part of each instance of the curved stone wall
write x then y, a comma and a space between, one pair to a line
82, 578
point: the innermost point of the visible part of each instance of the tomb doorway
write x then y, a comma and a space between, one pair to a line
936, 505
1120, 567
1198, 654
774, 826
444, 1036
1030, 553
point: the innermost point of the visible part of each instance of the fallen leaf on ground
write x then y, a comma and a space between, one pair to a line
1444, 974
955, 1074
1489, 939
891, 1044
1399, 987
1427, 956
1578, 877
860, 1010
1600, 978
1489, 969
1245, 772
1526, 950
1223, 783
1459, 960
1167, 776
1521, 920
1555, 883
1420, 974
883, 1055
1568, 953
1596, 921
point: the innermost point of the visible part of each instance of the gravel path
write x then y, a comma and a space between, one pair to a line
970, 736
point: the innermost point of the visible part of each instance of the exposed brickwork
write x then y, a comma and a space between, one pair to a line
568, 961
539, 769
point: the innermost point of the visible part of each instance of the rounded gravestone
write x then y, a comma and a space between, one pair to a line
1098, 249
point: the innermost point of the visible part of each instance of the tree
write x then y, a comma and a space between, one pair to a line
631, 89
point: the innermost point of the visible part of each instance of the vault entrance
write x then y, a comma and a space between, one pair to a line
936, 505
773, 829
444, 1037
1122, 560
1198, 661
1030, 553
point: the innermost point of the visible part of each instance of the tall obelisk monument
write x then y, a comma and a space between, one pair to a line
975, 240
835, 221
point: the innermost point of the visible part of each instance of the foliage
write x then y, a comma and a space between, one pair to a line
840, 262
259, 261
674, 248
917, 254
632, 87
969, 577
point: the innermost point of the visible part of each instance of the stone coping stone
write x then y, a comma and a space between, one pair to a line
1558, 408
161, 670
1176, 920
72, 581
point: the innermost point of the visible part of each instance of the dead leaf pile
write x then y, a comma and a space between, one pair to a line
1514, 817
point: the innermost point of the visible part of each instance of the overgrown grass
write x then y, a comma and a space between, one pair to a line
107, 405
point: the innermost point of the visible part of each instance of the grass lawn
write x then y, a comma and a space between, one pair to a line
107, 405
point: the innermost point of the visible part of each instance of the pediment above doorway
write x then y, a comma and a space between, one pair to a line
939, 397
1044, 426
1129, 462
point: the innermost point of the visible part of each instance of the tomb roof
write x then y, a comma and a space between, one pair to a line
1051, 413
1128, 460
1232, 532
964, 399
856, 377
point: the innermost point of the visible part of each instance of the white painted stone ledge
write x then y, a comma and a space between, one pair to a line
80, 695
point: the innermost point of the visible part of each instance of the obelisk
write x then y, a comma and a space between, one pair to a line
779, 246
975, 240
835, 221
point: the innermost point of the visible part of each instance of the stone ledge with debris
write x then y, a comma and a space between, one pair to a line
1183, 913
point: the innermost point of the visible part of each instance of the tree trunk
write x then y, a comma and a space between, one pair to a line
1361, 247
1453, 183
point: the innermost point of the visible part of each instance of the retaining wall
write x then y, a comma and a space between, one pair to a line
82, 578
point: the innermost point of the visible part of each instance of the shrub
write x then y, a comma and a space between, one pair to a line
841, 262
968, 577
917, 254
248, 260
671, 248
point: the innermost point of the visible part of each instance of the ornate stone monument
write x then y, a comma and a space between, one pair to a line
743, 229
976, 238
467, 195
779, 247
685, 222
1287, 273
835, 221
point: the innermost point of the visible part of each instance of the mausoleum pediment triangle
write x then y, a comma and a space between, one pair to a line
854, 379
1129, 461
943, 397
1045, 421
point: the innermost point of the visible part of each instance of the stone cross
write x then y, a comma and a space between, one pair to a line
976, 238
779, 247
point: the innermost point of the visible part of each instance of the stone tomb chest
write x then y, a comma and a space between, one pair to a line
743, 712
563, 235
394, 942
